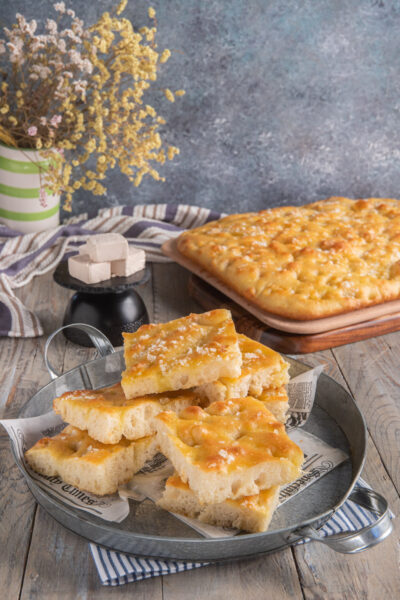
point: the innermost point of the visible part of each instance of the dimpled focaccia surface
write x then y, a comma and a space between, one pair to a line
180, 354
230, 449
250, 513
87, 464
305, 262
108, 415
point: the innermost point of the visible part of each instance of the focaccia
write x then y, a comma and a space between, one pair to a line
180, 354
108, 415
305, 262
89, 465
232, 448
276, 401
261, 367
250, 513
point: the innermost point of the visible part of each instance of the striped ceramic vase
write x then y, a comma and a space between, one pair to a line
22, 205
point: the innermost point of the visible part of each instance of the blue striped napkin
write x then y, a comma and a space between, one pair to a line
23, 256
116, 568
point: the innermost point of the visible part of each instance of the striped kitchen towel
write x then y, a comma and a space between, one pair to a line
115, 568
24, 256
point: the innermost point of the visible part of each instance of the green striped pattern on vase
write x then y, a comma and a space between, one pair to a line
21, 207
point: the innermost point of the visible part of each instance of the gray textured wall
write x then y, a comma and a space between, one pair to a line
287, 101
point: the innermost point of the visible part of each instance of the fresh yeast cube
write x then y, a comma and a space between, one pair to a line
135, 261
106, 247
84, 269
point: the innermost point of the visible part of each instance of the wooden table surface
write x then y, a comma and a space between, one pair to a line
40, 559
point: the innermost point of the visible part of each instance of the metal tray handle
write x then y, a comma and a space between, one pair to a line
366, 537
99, 340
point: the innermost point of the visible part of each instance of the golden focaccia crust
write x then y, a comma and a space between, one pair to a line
230, 449
180, 354
87, 464
107, 415
305, 262
276, 400
250, 513
261, 367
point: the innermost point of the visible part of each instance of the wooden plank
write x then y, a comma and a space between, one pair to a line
146, 292
47, 299
371, 370
17, 509
10, 357
60, 566
170, 293
22, 374
371, 574
269, 577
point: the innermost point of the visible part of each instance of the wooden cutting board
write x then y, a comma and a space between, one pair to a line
289, 343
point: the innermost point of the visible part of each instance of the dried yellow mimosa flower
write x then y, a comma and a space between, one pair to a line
78, 96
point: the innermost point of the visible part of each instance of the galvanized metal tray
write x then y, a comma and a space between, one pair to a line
151, 531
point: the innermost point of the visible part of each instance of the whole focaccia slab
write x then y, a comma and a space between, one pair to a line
305, 262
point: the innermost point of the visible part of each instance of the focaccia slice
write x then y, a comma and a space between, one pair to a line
250, 513
261, 367
87, 464
232, 448
108, 415
181, 354
276, 400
